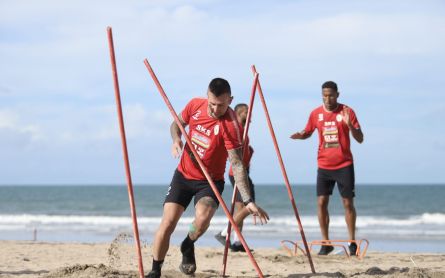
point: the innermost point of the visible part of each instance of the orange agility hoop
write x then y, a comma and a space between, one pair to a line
340, 243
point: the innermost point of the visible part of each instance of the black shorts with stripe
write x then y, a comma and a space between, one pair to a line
344, 177
181, 190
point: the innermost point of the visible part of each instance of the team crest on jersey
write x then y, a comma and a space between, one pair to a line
339, 118
216, 130
320, 117
196, 116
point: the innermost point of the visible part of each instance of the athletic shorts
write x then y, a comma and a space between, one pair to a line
181, 190
238, 195
344, 177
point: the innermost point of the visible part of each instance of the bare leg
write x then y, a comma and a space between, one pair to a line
350, 216
323, 215
204, 211
240, 214
170, 217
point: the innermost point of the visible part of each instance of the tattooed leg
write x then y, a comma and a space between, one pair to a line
205, 209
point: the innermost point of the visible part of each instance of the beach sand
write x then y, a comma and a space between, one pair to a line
118, 259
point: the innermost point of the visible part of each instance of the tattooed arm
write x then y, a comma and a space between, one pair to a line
241, 182
175, 133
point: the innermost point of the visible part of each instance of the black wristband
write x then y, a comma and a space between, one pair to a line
248, 201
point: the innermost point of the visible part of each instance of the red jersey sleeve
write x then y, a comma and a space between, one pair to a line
232, 132
187, 111
311, 124
353, 118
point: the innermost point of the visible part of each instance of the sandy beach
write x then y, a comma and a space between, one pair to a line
117, 259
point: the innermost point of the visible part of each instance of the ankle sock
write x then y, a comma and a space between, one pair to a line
187, 244
157, 265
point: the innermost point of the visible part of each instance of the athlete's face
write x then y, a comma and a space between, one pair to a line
218, 105
330, 98
241, 115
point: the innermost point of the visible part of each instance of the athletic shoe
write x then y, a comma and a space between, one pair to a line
238, 248
153, 274
221, 238
325, 249
353, 249
188, 264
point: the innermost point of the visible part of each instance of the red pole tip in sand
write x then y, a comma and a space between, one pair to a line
125, 152
202, 166
283, 170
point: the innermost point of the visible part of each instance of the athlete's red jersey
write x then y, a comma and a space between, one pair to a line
211, 139
334, 150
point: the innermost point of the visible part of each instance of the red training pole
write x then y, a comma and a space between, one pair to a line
124, 149
283, 170
203, 168
245, 153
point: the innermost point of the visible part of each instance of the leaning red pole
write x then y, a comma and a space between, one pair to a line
283, 170
245, 153
124, 149
203, 168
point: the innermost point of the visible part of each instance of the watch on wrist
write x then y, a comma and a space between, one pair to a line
248, 201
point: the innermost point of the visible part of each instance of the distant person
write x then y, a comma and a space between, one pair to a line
334, 121
216, 135
241, 212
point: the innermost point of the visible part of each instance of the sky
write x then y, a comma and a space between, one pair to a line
58, 119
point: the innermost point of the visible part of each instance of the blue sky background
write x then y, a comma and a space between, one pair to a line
58, 121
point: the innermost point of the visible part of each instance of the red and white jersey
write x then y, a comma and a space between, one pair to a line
211, 139
334, 150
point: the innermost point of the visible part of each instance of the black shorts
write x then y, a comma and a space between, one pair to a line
344, 177
182, 190
238, 195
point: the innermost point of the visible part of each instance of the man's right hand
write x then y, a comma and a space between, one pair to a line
298, 135
256, 210
177, 148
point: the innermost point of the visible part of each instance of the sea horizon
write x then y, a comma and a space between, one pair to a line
392, 218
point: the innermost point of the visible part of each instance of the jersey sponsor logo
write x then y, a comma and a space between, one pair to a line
320, 117
168, 191
202, 129
339, 118
216, 130
196, 115
200, 142
201, 139
330, 136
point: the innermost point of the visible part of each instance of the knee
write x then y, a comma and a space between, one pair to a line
322, 202
167, 227
348, 204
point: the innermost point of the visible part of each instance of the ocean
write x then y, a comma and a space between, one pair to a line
396, 218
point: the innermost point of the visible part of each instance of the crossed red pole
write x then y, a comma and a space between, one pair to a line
203, 168
124, 149
245, 154
283, 170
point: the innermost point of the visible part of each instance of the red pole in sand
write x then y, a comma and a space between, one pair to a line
245, 153
124, 149
203, 168
283, 170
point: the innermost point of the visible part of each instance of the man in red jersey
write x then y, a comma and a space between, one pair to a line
216, 136
241, 212
334, 121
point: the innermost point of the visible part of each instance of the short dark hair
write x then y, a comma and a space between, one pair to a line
239, 106
219, 86
329, 85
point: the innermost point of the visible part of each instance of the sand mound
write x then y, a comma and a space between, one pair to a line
86, 270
